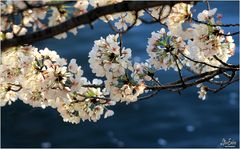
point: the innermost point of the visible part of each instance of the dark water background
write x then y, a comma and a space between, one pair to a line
167, 120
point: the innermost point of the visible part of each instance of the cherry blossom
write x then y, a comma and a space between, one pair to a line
42, 78
106, 59
162, 48
202, 93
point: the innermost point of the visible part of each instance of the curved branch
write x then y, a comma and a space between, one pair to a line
230, 34
206, 64
202, 78
86, 18
223, 63
222, 25
148, 96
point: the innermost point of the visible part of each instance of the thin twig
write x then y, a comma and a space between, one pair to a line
204, 63
214, 25
179, 70
223, 63
148, 96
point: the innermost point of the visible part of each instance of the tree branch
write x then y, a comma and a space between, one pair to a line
86, 18
222, 25
202, 78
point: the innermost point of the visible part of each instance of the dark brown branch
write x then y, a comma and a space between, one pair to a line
94, 97
214, 25
175, 58
174, 86
83, 19
204, 63
202, 78
214, 82
208, 5
148, 22
93, 86
178, 83
155, 19
223, 63
16, 85
224, 85
148, 96
230, 34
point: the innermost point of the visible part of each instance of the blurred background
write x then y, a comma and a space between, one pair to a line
166, 120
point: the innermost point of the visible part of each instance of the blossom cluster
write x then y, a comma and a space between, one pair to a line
200, 42
41, 78
198, 47
33, 19
165, 50
108, 59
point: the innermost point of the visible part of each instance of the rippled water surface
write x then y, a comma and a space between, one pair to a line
167, 120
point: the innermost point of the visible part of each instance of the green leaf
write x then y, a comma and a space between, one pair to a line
162, 43
90, 93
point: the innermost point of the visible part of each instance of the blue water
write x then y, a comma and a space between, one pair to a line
167, 120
